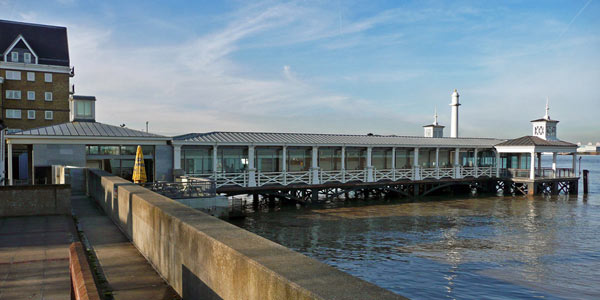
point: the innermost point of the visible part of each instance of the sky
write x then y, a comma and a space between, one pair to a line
352, 67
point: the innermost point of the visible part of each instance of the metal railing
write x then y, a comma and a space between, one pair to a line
190, 188
539, 173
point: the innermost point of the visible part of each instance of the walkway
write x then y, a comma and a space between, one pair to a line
128, 273
34, 257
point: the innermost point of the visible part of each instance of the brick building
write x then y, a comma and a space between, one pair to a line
34, 75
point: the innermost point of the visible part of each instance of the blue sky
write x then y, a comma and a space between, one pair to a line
333, 66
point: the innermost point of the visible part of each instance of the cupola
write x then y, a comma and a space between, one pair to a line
434, 129
545, 128
82, 108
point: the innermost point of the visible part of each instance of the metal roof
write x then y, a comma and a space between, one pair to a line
82, 97
86, 129
336, 139
535, 141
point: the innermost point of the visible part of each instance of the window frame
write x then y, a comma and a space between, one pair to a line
9, 95
29, 114
27, 57
47, 77
32, 77
13, 111
46, 115
12, 75
46, 96
31, 93
12, 56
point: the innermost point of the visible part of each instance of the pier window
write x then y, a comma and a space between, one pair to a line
486, 158
427, 158
356, 158
466, 158
445, 158
381, 158
120, 159
298, 159
197, 160
232, 160
268, 159
330, 159
404, 158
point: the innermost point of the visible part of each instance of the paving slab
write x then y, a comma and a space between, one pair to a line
34, 257
128, 273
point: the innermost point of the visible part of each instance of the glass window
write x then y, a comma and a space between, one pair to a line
445, 159
48, 77
13, 75
147, 150
299, 159
13, 113
232, 160
31, 114
404, 158
12, 94
48, 96
27, 58
49, 115
108, 150
197, 160
30, 76
92, 150
128, 150
381, 158
268, 159
330, 159
30, 95
356, 158
84, 109
14, 56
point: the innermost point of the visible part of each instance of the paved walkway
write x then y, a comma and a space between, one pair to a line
128, 273
34, 257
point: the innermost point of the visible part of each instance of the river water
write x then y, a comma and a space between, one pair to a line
469, 247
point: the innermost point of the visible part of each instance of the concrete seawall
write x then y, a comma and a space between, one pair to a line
35, 200
203, 257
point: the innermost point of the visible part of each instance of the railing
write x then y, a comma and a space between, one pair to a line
385, 174
189, 188
467, 172
428, 173
446, 172
485, 171
298, 177
539, 173
331, 176
265, 178
356, 175
400, 174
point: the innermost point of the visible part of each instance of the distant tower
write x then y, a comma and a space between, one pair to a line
545, 127
435, 129
455, 105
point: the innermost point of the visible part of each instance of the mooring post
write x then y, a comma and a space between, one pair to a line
585, 181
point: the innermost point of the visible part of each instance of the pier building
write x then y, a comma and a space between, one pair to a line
301, 166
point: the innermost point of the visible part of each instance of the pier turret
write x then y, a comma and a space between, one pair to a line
434, 129
545, 127
454, 123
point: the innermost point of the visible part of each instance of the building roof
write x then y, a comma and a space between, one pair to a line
535, 141
543, 119
86, 129
82, 97
336, 139
48, 42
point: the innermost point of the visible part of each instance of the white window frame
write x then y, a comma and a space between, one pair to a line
31, 114
13, 75
48, 115
30, 76
10, 113
27, 57
48, 77
31, 95
14, 56
13, 94
46, 98
83, 105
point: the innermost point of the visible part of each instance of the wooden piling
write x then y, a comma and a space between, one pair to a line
585, 181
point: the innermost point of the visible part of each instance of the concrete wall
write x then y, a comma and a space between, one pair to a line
66, 155
35, 200
203, 257
163, 160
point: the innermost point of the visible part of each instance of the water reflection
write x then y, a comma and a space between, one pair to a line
465, 248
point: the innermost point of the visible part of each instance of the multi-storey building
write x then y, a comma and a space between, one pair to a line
34, 75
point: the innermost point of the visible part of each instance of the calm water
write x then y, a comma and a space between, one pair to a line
463, 248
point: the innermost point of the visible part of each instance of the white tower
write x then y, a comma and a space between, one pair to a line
454, 123
434, 130
545, 127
